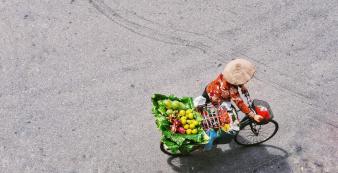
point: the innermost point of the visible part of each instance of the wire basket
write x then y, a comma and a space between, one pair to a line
214, 117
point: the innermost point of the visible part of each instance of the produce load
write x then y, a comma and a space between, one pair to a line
220, 117
179, 122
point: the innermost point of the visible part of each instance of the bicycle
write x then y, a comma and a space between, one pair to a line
250, 132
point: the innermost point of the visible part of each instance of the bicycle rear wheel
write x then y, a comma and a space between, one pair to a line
254, 134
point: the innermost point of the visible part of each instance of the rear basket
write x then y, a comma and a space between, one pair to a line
211, 119
215, 117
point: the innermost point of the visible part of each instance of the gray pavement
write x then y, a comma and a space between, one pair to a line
76, 79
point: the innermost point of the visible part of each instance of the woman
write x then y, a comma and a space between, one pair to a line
225, 87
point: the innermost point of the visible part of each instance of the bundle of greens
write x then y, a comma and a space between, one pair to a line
179, 123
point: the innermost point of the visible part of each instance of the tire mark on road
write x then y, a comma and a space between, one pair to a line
168, 37
170, 27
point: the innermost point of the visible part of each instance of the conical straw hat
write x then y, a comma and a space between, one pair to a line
239, 71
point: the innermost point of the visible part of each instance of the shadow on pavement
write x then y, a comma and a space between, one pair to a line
262, 158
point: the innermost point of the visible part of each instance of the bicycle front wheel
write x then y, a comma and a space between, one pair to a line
254, 134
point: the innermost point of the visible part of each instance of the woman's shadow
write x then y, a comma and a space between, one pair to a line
261, 158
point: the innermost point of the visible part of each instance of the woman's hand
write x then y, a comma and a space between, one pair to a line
258, 118
255, 117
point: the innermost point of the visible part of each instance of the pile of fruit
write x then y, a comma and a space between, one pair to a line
180, 124
183, 120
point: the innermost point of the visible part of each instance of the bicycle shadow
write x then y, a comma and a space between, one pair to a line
261, 158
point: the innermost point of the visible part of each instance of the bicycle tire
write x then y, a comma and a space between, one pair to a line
257, 142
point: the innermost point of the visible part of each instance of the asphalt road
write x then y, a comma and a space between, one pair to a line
76, 78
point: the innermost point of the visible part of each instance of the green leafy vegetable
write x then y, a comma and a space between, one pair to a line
174, 141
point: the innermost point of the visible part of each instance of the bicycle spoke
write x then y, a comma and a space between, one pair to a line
269, 128
267, 133
262, 135
254, 139
251, 139
246, 129
248, 140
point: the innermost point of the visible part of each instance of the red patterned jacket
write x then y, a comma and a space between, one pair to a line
220, 90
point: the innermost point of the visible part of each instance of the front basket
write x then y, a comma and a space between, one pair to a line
263, 103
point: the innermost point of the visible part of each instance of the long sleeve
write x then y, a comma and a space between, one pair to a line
214, 92
235, 97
